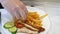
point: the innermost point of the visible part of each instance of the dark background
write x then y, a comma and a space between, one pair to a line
0, 16
1, 6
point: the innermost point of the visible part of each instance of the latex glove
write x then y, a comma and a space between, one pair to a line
16, 8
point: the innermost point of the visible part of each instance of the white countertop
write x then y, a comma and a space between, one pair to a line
53, 9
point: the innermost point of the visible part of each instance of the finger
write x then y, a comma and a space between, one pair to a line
21, 13
21, 5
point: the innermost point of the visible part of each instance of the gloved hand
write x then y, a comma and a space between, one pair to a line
16, 8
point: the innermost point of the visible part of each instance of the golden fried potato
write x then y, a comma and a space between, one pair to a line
34, 19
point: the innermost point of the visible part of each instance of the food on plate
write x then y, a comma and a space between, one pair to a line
43, 16
18, 25
34, 20
13, 29
27, 31
8, 25
32, 24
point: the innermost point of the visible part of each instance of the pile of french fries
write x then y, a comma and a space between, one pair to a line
33, 19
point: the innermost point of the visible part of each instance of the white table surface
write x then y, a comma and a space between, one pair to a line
53, 9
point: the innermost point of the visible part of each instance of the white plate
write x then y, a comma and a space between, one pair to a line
7, 17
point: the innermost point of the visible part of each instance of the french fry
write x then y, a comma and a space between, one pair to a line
43, 16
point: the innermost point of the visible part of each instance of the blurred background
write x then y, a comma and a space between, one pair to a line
52, 7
